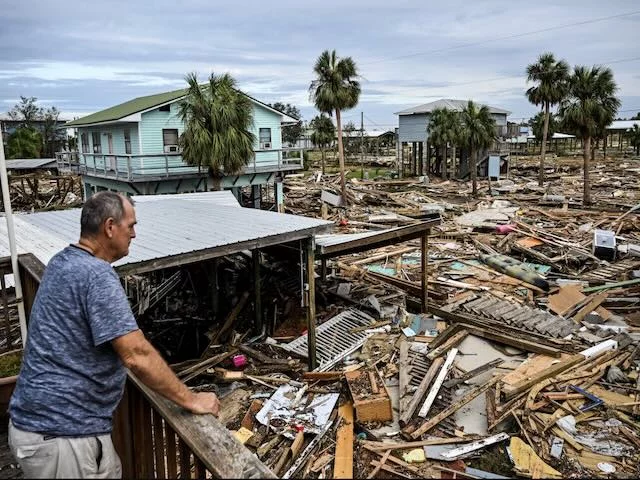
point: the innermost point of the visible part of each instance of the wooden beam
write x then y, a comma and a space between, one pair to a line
421, 391
310, 292
426, 406
343, 466
425, 271
428, 425
257, 290
450, 343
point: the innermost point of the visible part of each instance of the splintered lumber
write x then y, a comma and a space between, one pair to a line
426, 406
527, 463
473, 446
421, 391
261, 357
396, 460
531, 367
200, 367
454, 341
323, 376
343, 466
387, 468
377, 446
404, 376
473, 373
428, 425
381, 463
552, 370
231, 317
313, 444
593, 302
291, 453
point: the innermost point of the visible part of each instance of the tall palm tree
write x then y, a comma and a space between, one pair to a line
218, 122
551, 84
335, 88
478, 132
589, 107
323, 134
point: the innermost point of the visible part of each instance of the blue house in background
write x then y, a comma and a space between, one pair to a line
133, 148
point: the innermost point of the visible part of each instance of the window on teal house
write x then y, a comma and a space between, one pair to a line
127, 141
97, 145
84, 141
265, 138
170, 140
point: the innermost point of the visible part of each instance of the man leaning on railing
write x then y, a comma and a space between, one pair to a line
82, 335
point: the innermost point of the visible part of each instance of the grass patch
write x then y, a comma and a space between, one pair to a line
10, 364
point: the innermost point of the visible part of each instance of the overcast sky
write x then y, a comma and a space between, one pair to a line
83, 56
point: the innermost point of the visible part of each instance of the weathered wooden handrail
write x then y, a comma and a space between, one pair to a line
157, 439
154, 437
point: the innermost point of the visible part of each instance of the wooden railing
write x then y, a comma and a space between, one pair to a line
130, 167
154, 437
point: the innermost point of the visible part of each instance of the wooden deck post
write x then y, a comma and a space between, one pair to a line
425, 274
310, 292
257, 286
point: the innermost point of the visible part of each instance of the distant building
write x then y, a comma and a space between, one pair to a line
413, 138
133, 148
8, 126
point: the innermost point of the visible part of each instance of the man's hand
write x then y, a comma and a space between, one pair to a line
204, 402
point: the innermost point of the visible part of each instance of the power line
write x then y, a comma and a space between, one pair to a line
507, 37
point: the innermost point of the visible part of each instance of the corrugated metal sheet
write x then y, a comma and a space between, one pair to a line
223, 198
455, 105
166, 227
336, 239
30, 163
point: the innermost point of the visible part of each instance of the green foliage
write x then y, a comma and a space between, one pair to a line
551, 78
444, 127
334, 89
218, 121
478, 131
10, 364
537, 123
25, 142
591, 104
26, 111
290, 133
323, 131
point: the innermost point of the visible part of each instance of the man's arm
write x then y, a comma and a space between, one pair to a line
139, 356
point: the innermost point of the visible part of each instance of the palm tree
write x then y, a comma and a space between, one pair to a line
478, 132
335, 89
444, 129
323, 134
218, 122
634, 137
551, 83
437, 130
589, 107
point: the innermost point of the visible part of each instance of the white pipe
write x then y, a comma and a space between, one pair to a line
8, 215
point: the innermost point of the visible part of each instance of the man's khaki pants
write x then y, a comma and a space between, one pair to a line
64, 457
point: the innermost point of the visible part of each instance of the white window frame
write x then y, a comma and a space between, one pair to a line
97, 147
127, 141
265, 144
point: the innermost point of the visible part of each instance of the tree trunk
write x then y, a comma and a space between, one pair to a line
543, 151
444, 163
343, 185
604, 147
322, 156
474, 170
453, 161
586, 196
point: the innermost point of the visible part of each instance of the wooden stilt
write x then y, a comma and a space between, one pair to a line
425, 273
257, 286
310, 291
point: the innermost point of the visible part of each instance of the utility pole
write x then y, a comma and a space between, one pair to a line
362, 145
8, 215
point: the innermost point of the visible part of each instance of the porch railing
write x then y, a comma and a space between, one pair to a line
154, 437
130, 167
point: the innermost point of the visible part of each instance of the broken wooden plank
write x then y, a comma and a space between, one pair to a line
437, 383
551, 371
381, 464
404, 376
454, 341
231, 317
529, 464
593, 302
343, 465
428, 425
473, 446
421, 391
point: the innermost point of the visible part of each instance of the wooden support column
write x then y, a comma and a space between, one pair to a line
257, 286
310, 293
323, 269
213, 285
425, 274
414, 157
421, 157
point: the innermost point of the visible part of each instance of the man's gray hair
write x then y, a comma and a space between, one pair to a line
98, 208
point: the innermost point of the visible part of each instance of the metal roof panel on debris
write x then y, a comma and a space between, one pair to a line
30, 163
167, 228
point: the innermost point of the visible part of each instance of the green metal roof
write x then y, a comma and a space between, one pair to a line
125, 109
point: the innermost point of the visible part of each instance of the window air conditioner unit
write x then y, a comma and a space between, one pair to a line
170, 148
266, 145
